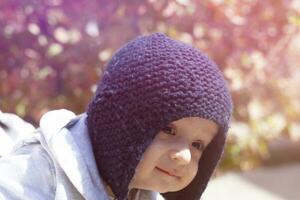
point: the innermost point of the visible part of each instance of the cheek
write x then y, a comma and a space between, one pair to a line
149, 160
143, 177
191, 173
194, 170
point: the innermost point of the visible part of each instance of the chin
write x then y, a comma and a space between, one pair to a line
164, 190
159, 189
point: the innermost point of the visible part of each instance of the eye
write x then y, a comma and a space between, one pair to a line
169, 130
198, 145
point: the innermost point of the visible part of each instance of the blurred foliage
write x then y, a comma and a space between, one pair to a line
53, 52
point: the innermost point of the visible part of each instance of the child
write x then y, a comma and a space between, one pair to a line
155, 129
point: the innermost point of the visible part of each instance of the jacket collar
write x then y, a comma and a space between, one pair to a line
69, 142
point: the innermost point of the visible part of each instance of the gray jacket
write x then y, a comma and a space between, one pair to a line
56, 163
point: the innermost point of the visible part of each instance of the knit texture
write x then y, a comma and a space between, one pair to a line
148, 83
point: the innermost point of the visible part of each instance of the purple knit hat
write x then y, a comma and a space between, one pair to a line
148, 83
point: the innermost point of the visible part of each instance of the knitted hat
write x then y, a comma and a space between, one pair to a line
148, 83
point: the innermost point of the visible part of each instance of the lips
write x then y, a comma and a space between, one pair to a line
166, 172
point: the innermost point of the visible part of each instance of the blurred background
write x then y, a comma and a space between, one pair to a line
53, 52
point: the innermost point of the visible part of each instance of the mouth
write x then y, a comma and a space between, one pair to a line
166, 172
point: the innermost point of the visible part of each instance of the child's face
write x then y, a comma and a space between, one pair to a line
171, 161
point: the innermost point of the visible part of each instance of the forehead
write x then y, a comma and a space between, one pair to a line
196, 125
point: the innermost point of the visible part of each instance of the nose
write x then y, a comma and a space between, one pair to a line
181, 156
